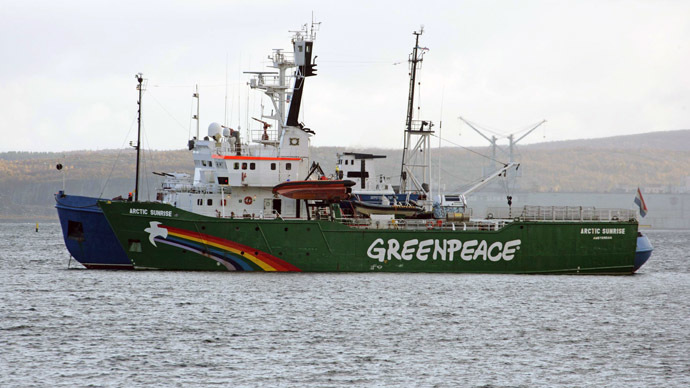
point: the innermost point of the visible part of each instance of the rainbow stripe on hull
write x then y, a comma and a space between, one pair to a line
231, 255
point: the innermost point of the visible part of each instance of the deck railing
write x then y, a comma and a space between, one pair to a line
561, 213
423, 224
496, 219
190, 188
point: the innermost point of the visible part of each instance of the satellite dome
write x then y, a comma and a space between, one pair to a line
214, 130
226, 132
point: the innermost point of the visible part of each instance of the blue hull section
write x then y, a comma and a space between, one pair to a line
87, 234
643, 251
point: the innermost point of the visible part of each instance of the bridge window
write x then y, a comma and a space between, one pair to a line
288, 166
273, 166
237, 166
252, 166
244, 166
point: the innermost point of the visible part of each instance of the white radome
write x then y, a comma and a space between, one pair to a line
214, 129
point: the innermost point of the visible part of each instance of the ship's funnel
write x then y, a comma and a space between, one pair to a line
305, 68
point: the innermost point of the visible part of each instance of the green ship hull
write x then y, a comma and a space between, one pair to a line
160, 236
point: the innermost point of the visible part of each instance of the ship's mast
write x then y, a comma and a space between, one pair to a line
276, 84
140, 88
416, 151
196, 116
414, 60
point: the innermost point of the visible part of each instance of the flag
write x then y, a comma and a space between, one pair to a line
640, 202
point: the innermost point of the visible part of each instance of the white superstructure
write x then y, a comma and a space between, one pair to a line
233, 176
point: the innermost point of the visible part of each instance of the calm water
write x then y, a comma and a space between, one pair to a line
73, 327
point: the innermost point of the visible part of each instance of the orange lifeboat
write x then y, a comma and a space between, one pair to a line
321, 190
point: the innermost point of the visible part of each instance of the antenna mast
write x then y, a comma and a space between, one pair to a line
276, 84
416, 151
140, 88
414, 60
196, 116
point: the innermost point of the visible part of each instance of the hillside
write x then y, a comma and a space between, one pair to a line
678, 140
29, 180
660, 160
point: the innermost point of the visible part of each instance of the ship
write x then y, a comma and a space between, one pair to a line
233, 176
302, 232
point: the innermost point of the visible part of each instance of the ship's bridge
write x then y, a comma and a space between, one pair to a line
221, 159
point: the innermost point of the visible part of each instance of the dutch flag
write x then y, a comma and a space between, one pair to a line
640, 202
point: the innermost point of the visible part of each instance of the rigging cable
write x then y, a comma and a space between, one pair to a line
470, 150
505, 183
107, 179
151, 161
191, 117
166, 111
440, 127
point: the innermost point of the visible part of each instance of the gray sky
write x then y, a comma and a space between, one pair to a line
591, 68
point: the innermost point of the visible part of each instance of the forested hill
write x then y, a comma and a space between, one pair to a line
28, 180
